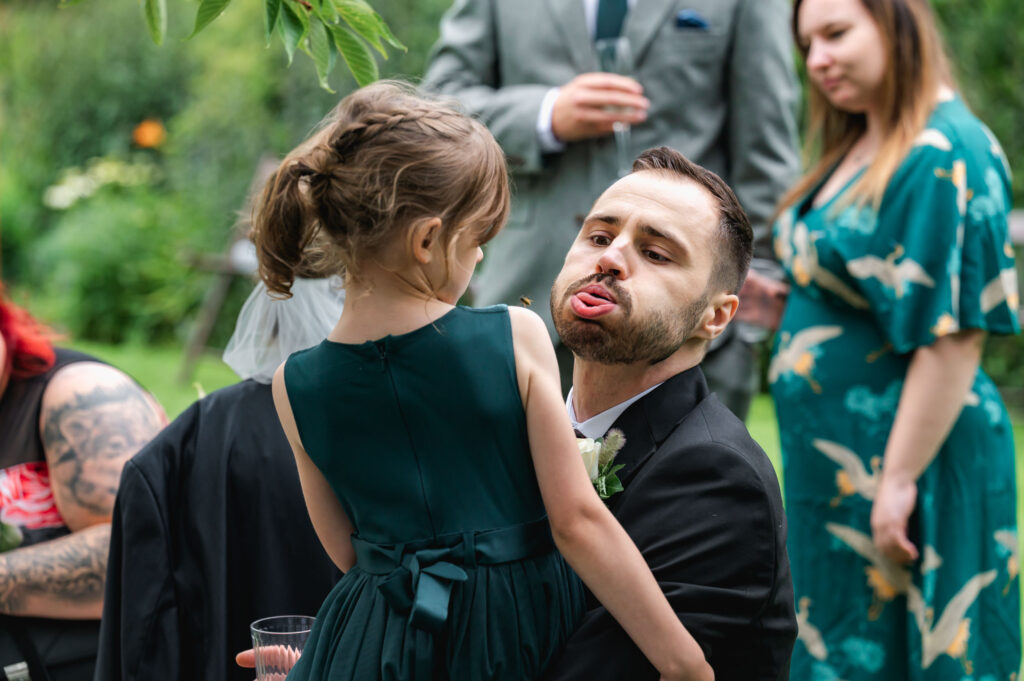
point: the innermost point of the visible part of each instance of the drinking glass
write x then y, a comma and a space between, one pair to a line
616, 56
277, 643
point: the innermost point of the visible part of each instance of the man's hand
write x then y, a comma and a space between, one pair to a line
591, 104
762, 301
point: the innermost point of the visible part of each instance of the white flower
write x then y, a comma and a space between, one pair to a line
590, 450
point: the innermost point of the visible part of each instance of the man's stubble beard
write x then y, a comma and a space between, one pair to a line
652, 339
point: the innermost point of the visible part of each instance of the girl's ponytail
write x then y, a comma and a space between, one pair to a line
284, 226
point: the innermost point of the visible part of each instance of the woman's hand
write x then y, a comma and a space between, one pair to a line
894, 502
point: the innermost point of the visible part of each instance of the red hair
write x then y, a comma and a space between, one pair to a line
29, 351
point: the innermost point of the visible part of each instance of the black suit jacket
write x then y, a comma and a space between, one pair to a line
702, 503
210, 532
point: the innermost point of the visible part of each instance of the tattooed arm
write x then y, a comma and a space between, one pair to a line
94, 418
60, 578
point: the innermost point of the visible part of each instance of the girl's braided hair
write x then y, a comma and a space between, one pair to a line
385, 157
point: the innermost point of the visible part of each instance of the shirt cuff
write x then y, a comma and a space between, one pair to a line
548, 142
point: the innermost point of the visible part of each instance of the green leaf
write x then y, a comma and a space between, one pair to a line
156, 19
320, 49
293, 27
364, 21
325, 10
272, 13
356, 54
613, 486
208, 11
390, 37
10, 537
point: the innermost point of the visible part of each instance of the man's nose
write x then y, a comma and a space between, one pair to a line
613, 261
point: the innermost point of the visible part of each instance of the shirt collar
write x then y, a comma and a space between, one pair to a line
596, 426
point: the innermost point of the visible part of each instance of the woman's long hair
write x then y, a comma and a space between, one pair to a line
29, 351
917, 68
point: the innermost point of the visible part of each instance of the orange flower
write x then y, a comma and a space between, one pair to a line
149, 134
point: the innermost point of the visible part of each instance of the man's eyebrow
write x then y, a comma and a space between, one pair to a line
652, 232
607, 219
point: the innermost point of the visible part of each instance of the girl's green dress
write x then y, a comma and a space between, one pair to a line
422, 437
868, 288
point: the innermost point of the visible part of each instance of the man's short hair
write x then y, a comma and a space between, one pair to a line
735, 236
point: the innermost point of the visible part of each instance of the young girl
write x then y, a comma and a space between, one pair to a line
431, 439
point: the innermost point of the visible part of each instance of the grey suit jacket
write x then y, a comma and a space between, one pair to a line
724, 97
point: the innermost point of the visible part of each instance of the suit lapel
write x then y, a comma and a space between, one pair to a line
643, 22
640, 443
572, 22
651, 419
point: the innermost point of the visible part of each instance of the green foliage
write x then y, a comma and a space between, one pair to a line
123, 239
985, 42
323, 29
112, 262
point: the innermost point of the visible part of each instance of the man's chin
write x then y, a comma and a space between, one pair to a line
581, 336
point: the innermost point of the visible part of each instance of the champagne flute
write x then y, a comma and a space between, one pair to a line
615, 55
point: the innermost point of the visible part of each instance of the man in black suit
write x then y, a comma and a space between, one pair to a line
650, 280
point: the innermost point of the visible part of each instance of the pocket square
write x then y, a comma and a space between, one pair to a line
688, 18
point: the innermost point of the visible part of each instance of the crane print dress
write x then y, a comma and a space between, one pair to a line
868, 288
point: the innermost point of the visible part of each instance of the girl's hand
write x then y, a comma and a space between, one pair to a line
894, 502
701, 673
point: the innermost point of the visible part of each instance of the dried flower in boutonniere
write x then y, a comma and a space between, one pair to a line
599, 458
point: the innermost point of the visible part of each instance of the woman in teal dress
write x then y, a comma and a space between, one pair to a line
435, 454
897, 451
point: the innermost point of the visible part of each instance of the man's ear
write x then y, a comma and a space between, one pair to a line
720, 311
424, 239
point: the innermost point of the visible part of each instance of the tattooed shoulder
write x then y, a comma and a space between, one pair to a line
94, 418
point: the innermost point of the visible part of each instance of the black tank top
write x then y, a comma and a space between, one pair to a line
26, 500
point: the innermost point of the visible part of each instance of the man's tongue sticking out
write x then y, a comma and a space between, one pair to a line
592, 302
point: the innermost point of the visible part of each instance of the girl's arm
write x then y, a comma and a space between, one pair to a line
586, 533
329, 519
933, 395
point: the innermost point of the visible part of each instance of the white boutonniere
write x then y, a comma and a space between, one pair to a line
599, 458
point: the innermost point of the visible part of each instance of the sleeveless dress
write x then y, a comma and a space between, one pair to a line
868, 288
422, 437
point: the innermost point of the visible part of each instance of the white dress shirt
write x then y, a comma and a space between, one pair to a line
548, 142
596, 426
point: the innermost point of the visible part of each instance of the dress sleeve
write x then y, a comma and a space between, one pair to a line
940, 259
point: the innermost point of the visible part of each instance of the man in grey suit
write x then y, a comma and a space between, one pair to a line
711, 78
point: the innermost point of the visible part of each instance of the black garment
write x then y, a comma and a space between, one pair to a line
210, 533
65, 648
703, 505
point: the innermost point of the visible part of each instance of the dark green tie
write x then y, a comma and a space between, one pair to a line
611, 14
